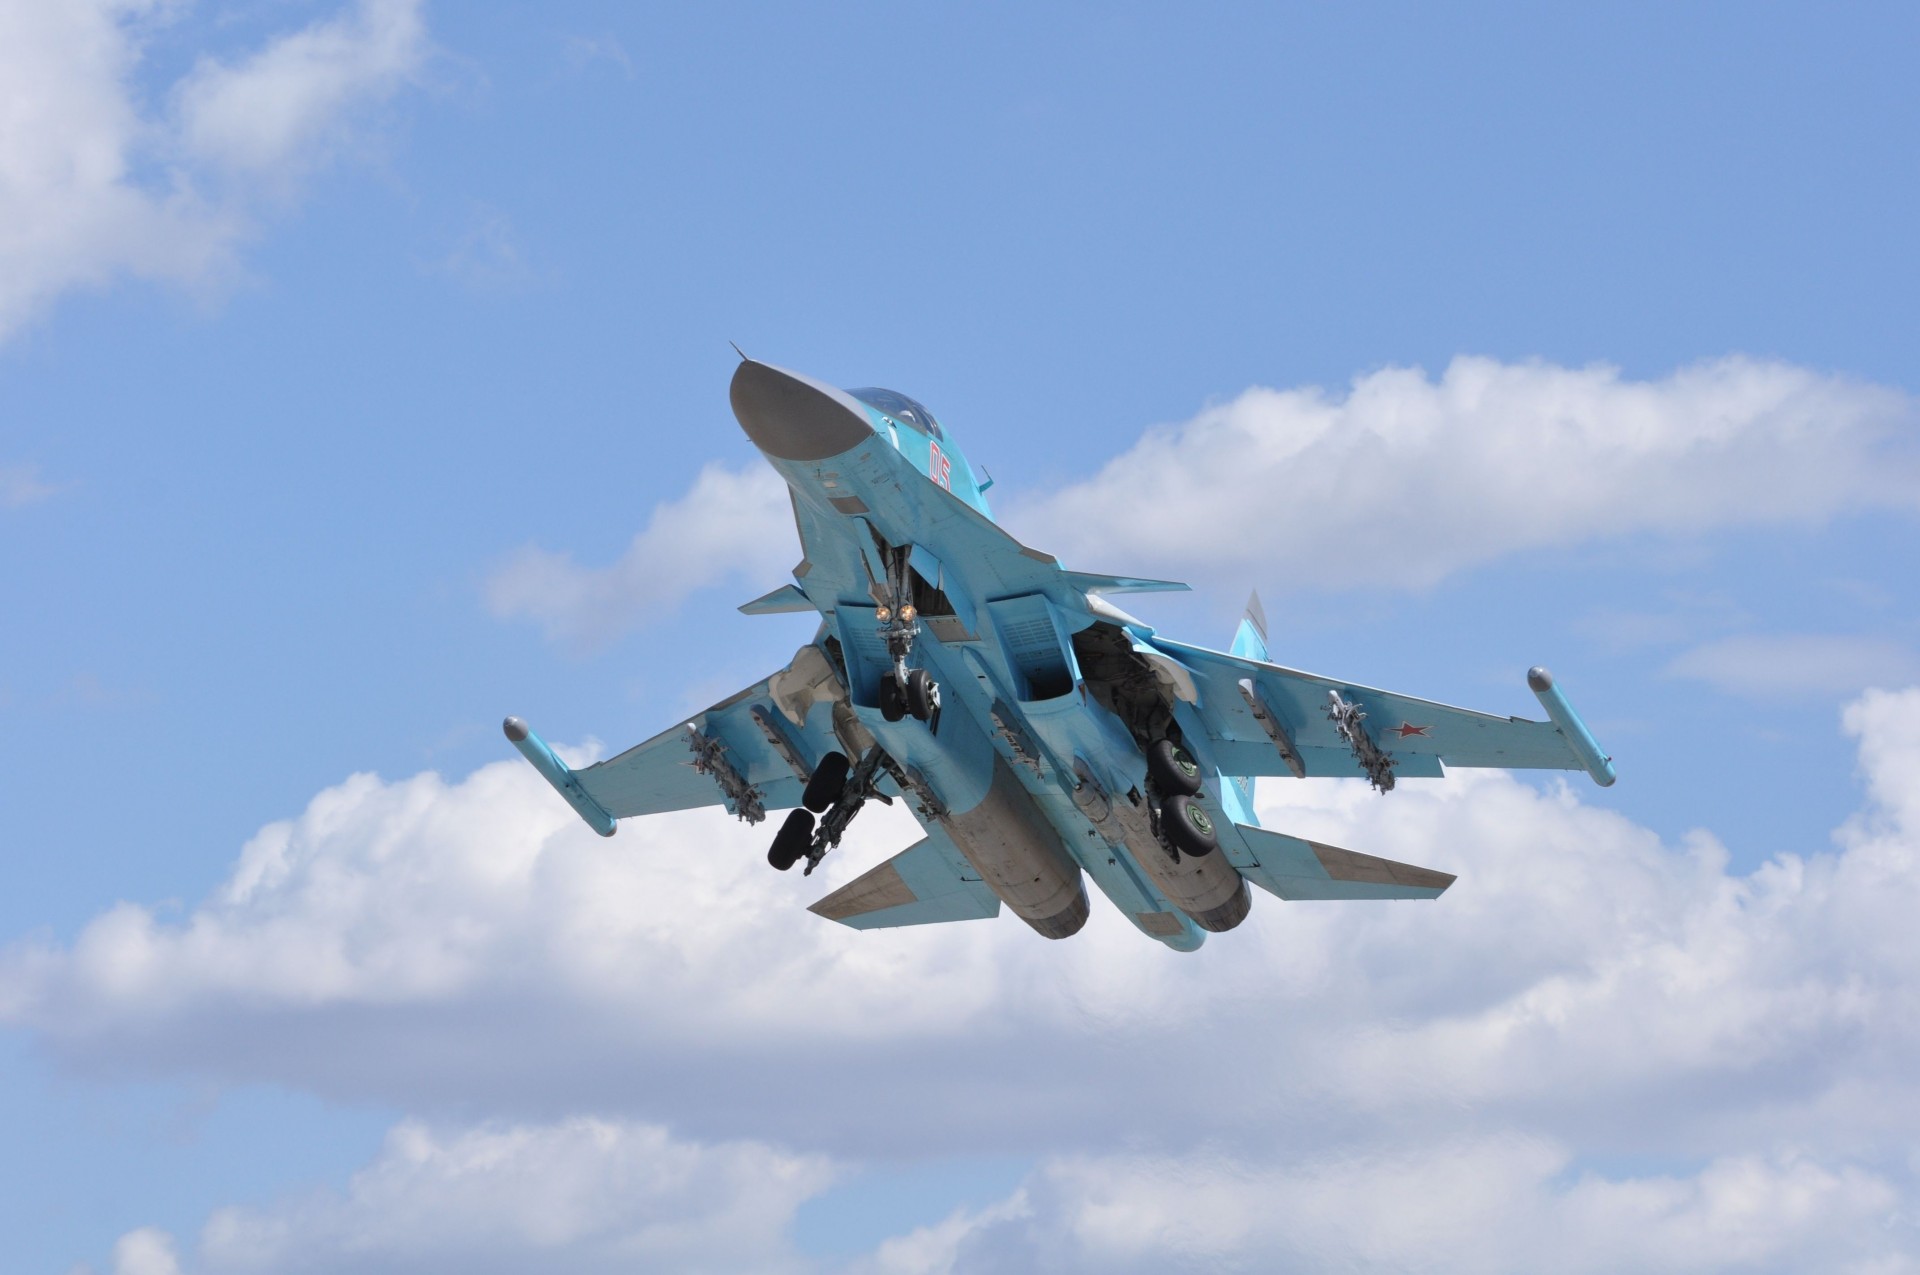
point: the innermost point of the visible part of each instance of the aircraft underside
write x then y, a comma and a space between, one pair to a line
1040, 735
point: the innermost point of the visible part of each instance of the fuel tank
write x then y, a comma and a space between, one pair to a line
1016, 851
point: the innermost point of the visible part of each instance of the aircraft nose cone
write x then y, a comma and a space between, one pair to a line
793, 417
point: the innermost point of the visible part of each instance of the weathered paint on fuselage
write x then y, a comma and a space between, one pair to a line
1015, 715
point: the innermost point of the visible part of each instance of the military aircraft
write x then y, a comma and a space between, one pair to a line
1040, 734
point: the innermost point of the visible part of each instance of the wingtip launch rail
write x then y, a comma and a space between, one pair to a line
556, 772
1578, 737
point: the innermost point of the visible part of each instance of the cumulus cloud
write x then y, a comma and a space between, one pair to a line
596, 1195
1399, 483
288, 103
578, 1195
732, 525
147, 1251
1404, 479
1580, 964
1585, 996
1485, 1204
1772, 666
96, 186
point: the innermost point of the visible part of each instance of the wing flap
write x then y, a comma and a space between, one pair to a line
925, 884
1295, 868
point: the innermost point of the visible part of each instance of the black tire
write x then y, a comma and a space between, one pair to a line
893, 701
1173, 769
793, 840
923, 693
1188, 826
828, 781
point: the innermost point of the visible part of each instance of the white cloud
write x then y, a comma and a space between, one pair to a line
732, 525
1485, 1204
21, 485
596, 1195
577, 1195
1400, 483
1585, 994
94, 187
1405, 479
583, 52
147, 1251
1771, 666
287, 104
486, 256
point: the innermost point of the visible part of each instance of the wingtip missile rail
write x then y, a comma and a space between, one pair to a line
1575, 731
555, 772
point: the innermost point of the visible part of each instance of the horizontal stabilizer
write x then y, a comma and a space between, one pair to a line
782, 600
928, 882
1293, 868
1092, 582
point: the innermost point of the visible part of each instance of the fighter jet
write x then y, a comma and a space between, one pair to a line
1040, 734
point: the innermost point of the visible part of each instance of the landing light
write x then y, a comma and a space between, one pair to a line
907, 613
882, 614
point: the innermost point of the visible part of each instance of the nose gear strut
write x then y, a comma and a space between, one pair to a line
912, 690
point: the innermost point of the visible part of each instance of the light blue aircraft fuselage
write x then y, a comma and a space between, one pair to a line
1041, 735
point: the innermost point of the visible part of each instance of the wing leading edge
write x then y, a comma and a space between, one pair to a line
751, 752
1299, 737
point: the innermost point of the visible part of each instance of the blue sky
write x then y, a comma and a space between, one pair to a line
346, 349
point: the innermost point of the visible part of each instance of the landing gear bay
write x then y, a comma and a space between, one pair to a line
1041, 735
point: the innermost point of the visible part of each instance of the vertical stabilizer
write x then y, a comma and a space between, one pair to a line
1250, 642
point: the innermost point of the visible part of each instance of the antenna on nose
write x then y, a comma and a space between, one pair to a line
742, 353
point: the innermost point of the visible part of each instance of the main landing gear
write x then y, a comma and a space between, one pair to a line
835, 792
1173, 781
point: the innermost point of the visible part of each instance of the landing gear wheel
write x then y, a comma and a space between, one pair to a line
828, 781
1173, 769
893, 700
793, 840
923, 694
1188, 827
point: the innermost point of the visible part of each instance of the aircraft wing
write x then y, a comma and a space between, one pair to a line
751, 753
1418, 734
763, 746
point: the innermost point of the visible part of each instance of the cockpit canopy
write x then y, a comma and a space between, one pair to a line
909, 412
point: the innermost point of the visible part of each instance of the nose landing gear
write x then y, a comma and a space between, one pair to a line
904, 690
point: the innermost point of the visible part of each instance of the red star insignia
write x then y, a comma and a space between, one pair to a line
1405, 729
